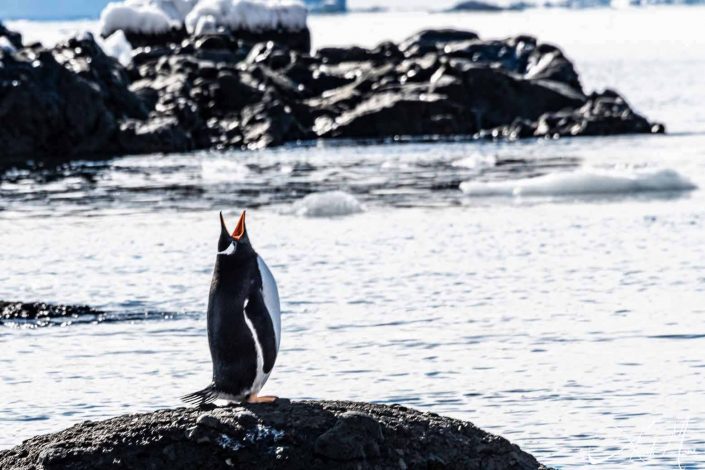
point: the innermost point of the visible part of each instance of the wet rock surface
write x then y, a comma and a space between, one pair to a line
42, 311
42, 314
286, 435
225, 90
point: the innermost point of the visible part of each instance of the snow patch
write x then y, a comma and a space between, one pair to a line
136, 16
248, 15
6, 45
118, 47
584, 182
328, 204
202, 16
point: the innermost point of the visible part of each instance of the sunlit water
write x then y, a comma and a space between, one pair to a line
570, 323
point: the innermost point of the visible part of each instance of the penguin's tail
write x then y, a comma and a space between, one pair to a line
202, 397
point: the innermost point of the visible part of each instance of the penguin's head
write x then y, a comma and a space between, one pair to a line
235, 244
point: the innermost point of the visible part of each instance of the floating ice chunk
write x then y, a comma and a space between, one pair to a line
6, 45
328, 204
117, 46
584, 181
475, 161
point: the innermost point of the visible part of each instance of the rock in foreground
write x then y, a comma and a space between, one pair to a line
301, 435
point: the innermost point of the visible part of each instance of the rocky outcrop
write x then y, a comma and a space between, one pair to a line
10, 311
284, 435
42, 314
226, 90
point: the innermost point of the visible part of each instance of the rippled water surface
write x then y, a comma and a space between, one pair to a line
570, 322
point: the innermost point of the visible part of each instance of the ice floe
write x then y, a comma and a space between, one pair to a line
328, 204
584, 181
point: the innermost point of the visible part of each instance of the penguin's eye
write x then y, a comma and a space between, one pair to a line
231, 249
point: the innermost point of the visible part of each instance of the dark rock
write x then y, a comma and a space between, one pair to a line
432, 40
175, 35
393, 114
474, 5
13, 37
162, 134
285, 435
270, 122
85, 58
355, 436
230, 93
41, 314
604, 113
213, 41
337, 55
41, 310
254, 90
48, 111
548, 63
270, 54
496, 98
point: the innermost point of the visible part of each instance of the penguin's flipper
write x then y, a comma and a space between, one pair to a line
202, 397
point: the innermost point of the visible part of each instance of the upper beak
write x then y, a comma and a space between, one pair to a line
239, 231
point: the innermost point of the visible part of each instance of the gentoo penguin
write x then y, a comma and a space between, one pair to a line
244, 323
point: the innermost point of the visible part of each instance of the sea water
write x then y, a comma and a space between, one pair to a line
552, 292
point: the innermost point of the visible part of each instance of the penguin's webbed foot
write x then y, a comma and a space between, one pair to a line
253, 398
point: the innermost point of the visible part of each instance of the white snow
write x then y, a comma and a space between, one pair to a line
249, 15
328, 204
270, 292
583, 182
206, 24
135, 16
6, 45
116, 45
159, 16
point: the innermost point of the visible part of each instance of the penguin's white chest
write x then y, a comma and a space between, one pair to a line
260, 377
271, 298
270, 294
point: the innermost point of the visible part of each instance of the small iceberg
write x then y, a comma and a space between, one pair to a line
583, 182
328, 204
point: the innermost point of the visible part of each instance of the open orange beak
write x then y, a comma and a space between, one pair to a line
239, 231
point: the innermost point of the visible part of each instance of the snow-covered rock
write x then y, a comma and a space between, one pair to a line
117, 46
6, 45
201, 16
248, 15
135, 17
